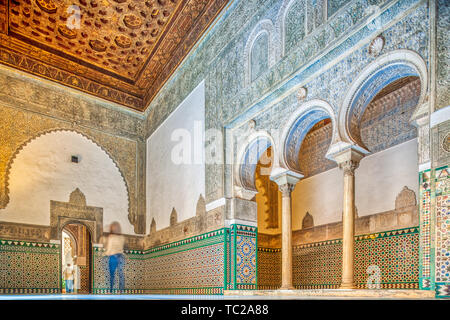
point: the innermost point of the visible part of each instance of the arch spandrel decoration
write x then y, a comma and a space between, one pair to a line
298, 126
377, 75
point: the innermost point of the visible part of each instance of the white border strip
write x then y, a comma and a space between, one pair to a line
439, 116
215, 204
228, 223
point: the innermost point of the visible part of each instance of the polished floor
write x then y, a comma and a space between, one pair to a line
191, 297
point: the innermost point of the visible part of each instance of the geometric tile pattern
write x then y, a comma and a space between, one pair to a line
425, 230
317, 265
246, 260
133, 270
192, 266
196, 268
442, 290
394, 254
29, 267
269, 268
442, 251
205, 264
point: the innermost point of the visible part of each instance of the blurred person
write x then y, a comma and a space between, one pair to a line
68, 277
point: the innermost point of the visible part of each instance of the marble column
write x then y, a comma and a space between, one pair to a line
348, 161
286, 182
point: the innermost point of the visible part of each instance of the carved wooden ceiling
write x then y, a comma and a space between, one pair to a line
119, 50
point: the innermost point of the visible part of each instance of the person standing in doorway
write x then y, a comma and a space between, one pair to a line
116, 259
68, 278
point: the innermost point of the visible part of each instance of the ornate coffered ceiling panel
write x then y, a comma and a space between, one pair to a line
119, 50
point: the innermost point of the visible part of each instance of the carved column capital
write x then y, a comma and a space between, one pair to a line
349, 167
348, 160
286, 181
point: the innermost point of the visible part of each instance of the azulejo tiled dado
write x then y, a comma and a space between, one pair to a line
29, 267
394, 254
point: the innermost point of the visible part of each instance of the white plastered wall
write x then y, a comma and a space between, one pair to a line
171, 184
43, 171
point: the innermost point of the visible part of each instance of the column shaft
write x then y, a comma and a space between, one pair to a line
348, 225
286, 182
286, 244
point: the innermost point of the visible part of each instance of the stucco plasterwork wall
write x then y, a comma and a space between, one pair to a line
321, 57
29, 109
42, 172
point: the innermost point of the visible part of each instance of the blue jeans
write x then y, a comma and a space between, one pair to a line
117, 260
69, 286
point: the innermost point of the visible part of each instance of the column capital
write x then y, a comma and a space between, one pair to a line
286, 180
349, 167
348, 160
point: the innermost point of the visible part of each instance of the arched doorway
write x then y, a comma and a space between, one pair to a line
256, 159
76, 250
268, 194
307, 140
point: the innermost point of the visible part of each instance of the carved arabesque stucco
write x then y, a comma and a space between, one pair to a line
406, 198
75, 211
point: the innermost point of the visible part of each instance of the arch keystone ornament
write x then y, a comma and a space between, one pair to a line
376, 45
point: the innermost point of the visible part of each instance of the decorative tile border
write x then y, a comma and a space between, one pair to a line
426, 258
441, 196
29, 244
442, 290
